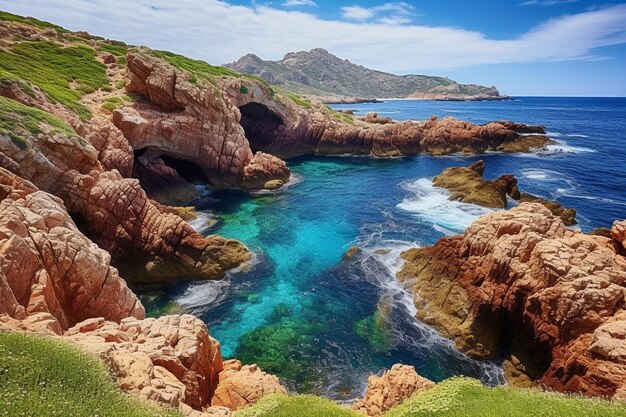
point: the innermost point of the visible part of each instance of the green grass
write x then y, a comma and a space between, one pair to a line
299, 405
200, 71
112, 103
52, 68
8, 17
465, 397
302, 102
45, 377
18, 120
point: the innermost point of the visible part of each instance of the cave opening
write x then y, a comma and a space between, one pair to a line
261, 126
187, 170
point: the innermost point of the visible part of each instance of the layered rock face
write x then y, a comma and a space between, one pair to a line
468, 185
218, 128
50, 273
171, 360
556, 295
147, 245
192, 124
392, 388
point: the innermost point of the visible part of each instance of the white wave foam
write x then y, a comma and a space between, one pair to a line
564, 147
208, 294
202, 221
432, 204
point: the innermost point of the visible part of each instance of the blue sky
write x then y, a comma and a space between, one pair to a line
524, 47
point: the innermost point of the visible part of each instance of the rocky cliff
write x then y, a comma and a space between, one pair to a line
519, 280
320, 73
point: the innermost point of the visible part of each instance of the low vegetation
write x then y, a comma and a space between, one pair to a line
200, 71
299, 405
17, 120
465, 397
43, 377
302, 102
65, 74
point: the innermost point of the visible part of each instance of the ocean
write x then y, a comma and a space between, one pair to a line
323, 323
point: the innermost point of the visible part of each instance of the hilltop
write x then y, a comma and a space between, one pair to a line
321, 74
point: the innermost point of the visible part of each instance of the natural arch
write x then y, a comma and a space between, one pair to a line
260, 124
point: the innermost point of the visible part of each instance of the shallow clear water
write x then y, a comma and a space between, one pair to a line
324, 323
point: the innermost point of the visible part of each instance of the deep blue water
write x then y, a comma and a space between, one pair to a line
308, 313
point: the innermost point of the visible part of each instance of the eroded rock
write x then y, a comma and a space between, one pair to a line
557, 291
392, 388
51, 275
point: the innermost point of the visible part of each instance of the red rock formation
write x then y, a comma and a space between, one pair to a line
148, 246
171, 360
240, 386
50, 273
217, 128
192, 124
391, 389
559, 293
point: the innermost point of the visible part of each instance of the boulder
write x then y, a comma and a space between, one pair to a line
392, 388
242, 385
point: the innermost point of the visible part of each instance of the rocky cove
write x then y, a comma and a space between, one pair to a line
79, 232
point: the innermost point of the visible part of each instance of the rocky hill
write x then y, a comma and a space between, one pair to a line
320, 73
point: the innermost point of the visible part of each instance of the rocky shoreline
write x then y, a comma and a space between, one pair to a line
521, 281
78, 232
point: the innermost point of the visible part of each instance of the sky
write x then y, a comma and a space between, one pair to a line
524, 47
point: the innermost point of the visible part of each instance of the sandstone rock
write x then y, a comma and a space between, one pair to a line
51, 275
204, 129
171, 360
619, 235
556, 290
242, 385
391, 389
148, 246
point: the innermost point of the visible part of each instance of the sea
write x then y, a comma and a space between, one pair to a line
323, 321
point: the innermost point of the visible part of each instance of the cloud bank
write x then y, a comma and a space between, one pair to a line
219, 32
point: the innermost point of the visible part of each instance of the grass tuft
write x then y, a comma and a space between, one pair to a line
298, 405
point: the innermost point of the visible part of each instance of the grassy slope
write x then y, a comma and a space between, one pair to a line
41, 376
20, 121
456, 397
296, 406
461, 397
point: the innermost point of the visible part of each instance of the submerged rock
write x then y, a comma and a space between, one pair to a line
523, 273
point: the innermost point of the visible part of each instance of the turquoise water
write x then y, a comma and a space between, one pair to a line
323, 323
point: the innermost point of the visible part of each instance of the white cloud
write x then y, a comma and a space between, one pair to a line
545, 3
387, 13
295, 3
357, 13
220, 32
